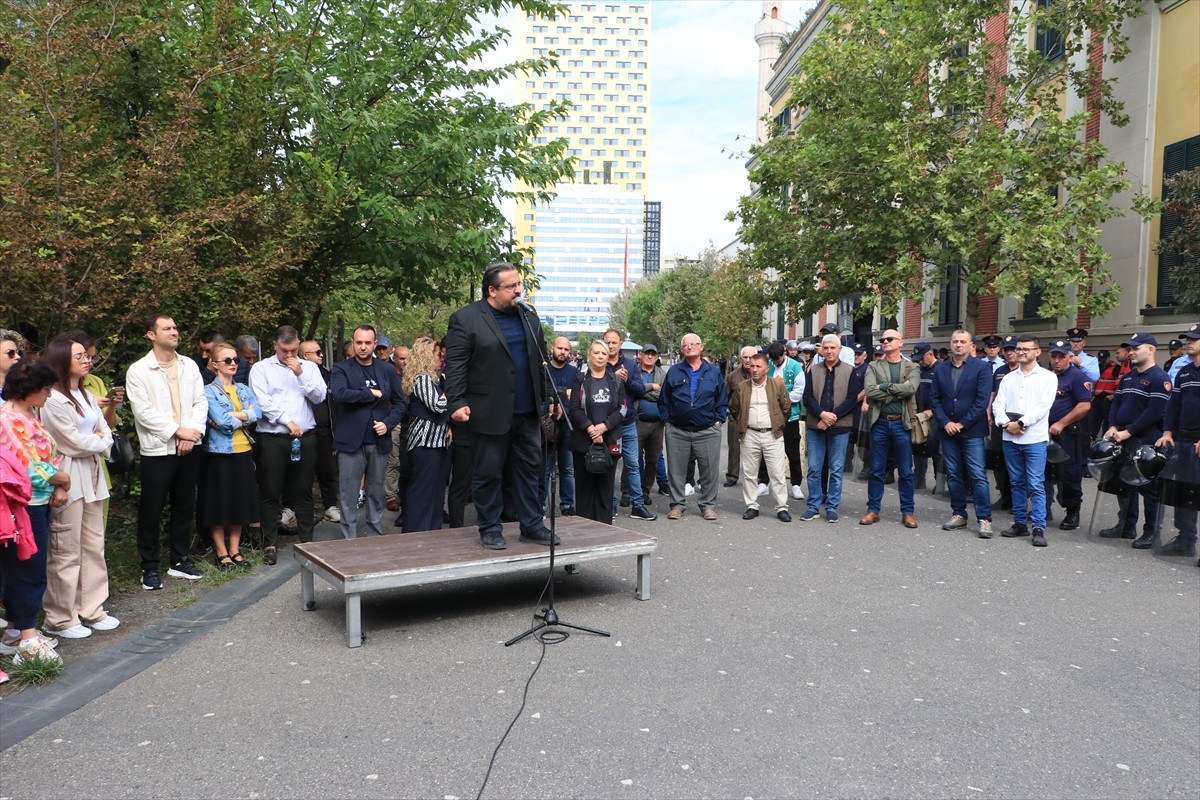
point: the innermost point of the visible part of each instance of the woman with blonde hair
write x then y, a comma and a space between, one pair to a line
428, 438
76, 572
231, 498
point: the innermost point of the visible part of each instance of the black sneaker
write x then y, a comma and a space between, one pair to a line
493, 541
1016, 529
150, 580
569, 511
1039, 537
540, 536
641, 512
185, 569
624, 501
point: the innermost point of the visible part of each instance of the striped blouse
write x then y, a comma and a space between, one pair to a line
424, 432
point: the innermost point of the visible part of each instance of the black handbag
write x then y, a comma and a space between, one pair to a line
120, 457
597, 460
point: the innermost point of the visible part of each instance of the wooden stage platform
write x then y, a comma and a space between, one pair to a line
356, 566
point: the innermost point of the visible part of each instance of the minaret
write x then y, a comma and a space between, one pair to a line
768, 34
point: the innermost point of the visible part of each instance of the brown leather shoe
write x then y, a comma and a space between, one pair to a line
392, 505
909, 521
870, 518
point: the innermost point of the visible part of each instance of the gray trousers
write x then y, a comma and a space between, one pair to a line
351, 468
705, 447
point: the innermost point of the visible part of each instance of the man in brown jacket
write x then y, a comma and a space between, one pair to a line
741, 373
759, 408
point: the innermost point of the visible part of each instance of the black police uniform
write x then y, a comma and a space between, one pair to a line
1183, 490
1139, 406
1073, 388
994, 455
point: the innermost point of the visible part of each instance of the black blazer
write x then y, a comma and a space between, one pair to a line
580, 420
480, 372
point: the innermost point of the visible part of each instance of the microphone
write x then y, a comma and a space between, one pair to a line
523, 303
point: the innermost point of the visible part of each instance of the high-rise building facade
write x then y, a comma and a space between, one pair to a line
589, 243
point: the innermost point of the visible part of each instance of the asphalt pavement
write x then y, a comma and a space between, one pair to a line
800, 659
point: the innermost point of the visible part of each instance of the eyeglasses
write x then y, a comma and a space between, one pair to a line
314, 353
508, 287
887, 339
691, 344
226, 361
10, 353
82, 358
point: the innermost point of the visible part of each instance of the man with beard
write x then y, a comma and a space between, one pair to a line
1136, 418
563, 374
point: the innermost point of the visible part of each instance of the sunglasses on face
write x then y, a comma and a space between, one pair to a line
10, 353
887, 339
315, 353
226, 361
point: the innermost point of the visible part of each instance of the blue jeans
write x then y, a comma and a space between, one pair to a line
826, 446
632, 462
1027, 474
25, 581
890, 435
959, 454
561, 455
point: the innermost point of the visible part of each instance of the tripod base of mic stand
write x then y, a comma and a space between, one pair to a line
549, 618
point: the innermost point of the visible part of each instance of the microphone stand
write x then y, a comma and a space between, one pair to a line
549, 617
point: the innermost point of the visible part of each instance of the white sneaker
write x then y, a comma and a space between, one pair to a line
688, 491
76, 631
33, 648
797, 492
288, 518
333, 514
108, 623
362, 497
762, 489
12, 638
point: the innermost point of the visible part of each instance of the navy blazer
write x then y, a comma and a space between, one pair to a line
356, 409
480, 372
966, 406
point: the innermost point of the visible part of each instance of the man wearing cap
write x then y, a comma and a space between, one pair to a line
733, 444
891, 385
628, 373
650, 426
1088, 363
1181, 430
926, 358
995, 445
991, 352
791, 373
1136, 418
1022, 411
1072, 403
958, 396
383, 349
1176, 358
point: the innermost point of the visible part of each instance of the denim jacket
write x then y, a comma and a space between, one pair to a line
221, 422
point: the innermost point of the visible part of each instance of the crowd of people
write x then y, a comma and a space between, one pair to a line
232, 444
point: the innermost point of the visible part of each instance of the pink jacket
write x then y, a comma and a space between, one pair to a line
15, 491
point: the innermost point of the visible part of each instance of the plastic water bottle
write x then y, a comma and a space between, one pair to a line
295, 449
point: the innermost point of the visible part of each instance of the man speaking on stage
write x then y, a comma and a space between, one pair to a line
495, 386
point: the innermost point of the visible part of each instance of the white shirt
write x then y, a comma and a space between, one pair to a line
285, 398
1030, 394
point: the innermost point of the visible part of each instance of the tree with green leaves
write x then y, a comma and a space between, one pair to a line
1180, 207
928, 152
242, 163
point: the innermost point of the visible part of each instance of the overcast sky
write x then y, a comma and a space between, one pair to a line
703, 76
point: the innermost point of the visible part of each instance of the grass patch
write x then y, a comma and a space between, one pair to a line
34, 671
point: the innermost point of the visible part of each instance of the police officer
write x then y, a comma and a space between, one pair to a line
1176, 358
927, 360
1181, 429
859, 374
1136, 418
995, 449
1072, 403
991, 351
1088, 363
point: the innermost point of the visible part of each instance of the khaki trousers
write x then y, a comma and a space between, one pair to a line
76, 573
762, 445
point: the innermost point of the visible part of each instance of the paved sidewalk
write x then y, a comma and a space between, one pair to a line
773, 660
